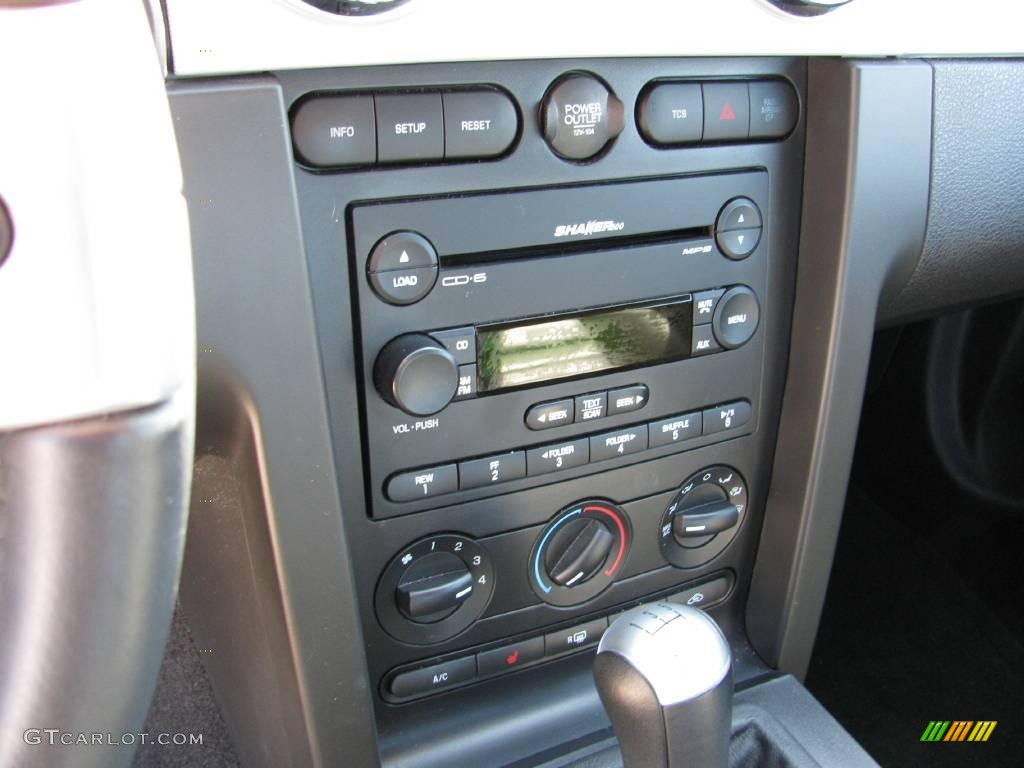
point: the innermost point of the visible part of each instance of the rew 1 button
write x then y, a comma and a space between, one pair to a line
423, 483
478, 124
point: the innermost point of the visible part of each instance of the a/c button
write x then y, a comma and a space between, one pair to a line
434, 678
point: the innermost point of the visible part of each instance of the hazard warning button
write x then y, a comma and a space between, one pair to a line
726, 111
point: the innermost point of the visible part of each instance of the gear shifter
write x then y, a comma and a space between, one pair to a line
664, 673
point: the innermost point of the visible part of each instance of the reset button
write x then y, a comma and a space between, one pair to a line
478, 124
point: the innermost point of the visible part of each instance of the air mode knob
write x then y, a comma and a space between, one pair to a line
417, 374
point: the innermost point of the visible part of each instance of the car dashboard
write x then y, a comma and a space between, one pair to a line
511, 317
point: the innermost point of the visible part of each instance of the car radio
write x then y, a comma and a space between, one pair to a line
518, 339
559, 392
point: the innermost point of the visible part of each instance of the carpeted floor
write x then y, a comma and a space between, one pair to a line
184, 703
923, 622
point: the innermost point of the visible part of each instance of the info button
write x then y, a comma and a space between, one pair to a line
334, 131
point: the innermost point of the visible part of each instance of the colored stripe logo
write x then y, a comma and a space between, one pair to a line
958, 730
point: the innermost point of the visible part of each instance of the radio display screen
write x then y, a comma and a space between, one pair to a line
539, 351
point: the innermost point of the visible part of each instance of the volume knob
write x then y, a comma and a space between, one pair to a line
417, 374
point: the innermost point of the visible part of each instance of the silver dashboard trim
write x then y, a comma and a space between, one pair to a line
227, 36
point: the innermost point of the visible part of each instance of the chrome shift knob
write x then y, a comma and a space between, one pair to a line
664, 673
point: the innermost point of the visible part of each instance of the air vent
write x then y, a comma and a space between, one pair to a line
808, 7
355, 7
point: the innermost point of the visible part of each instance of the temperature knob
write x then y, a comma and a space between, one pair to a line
417, 374
579, 552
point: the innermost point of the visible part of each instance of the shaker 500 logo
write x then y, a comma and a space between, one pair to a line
591, 227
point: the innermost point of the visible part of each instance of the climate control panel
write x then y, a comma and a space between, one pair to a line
439, 586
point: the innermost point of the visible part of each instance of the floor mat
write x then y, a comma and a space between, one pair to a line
184, 703
916, 629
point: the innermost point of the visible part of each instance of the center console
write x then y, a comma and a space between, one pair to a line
567, 339
552, 305
515, 345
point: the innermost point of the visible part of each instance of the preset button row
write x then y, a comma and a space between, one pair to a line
568, 454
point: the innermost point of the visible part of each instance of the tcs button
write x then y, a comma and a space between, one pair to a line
580, 116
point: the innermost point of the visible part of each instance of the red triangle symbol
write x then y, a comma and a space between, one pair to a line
727, 113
